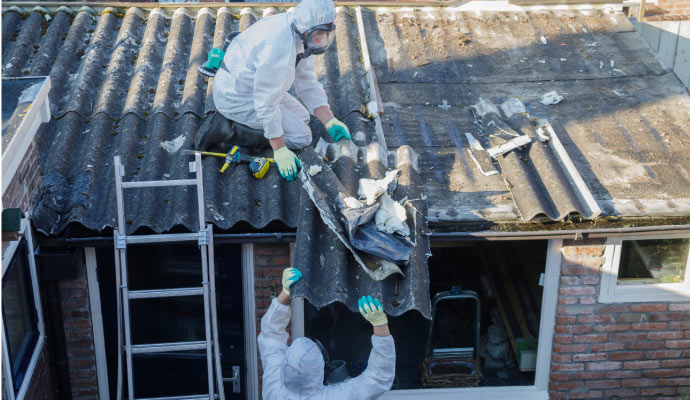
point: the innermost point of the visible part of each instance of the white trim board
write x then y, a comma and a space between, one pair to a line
14, 153
538, 391
249, 303
97, 322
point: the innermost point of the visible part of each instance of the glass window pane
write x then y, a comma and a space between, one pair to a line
170, 374
172, 319
653, 261
19, 314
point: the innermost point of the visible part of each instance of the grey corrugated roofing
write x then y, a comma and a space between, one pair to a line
329, 268
624, 120
125, 81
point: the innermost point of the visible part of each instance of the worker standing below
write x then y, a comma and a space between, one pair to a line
250, 89
296, 372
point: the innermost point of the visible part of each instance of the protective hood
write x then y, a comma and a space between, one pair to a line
310, 13
303, 369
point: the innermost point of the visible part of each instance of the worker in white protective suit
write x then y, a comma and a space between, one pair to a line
296, 372
250, 90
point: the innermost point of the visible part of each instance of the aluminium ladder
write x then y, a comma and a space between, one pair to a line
204, 237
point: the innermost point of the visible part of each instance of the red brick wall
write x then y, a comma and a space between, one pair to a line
638, 350
76, 314
269, 262
675, 7
42, 386
22, 190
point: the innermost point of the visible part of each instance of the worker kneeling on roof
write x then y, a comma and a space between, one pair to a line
296, 372
250, 90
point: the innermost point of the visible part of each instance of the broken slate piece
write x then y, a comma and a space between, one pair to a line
479, 156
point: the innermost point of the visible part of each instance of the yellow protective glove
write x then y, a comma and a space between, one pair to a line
290, 276
337, 130
287, 162
372, 310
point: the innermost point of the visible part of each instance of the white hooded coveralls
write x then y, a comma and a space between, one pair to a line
261, 69
296, 372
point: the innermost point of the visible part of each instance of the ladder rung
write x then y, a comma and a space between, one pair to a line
156, 293
165, 347
191, 397
172, 237
172, 182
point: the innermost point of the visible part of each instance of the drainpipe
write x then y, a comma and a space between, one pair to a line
64, 386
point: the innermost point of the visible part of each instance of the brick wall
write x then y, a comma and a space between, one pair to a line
42, 386
22, 190
675, 7
269, 262
76, 314
638, 350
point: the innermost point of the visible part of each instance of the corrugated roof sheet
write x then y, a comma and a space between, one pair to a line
624, 120
329, 269
125, 81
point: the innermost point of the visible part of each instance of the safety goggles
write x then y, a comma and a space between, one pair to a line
319, 38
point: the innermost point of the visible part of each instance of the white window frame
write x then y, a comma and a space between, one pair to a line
540, 389
611, 292
25, 231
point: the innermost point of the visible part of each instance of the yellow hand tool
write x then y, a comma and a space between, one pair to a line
258, 166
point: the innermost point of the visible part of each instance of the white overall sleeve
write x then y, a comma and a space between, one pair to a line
376, 379
273, 61
272, 343
307, 87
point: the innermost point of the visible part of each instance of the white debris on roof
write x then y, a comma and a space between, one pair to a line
551, 98
372, 189
391, 217
444, 105
543, 40
351, 202
513, 106
314, 170
172, 146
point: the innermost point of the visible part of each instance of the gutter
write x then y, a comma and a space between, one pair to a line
290, 237
578, 234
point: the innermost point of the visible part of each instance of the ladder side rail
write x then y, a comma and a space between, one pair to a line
119, 173
200, 191
204, 266
119, 317
207, 318
214, 312
127, 316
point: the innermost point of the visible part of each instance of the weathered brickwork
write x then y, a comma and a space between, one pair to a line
76, 314
269, 262
42, 386
675, 7
22, 190
628, 350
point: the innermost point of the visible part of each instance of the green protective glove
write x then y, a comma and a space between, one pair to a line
372, 310
337, 130
288, 163
290, 276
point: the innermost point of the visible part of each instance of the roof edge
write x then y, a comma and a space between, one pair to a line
471, 5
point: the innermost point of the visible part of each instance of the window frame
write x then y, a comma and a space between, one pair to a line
612, 292
7, 371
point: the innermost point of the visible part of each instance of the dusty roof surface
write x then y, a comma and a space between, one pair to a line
125, 83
